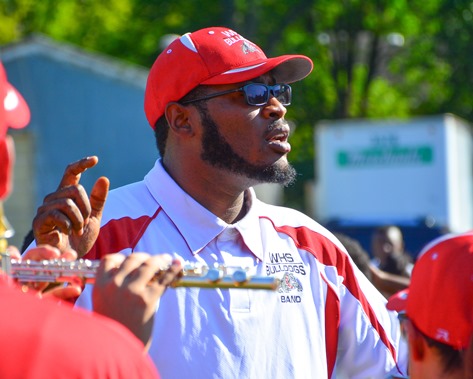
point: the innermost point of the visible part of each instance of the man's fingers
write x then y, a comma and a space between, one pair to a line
63, 293
65, 220
69, 254
76, 194
111, 261
42, 252
170, 275
138, 270
108, 266
129, 265
13, 252
152, 269
74, 170
98, 196
72, 202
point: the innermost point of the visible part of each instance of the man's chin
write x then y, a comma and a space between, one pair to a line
281, 172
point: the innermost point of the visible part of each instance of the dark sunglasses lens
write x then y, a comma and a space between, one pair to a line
256, 94
282, 92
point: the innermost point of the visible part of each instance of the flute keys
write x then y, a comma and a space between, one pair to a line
240, 277
214, 274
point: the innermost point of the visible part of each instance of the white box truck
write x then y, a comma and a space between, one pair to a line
417, 171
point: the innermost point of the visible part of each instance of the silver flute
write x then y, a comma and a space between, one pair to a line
84, 271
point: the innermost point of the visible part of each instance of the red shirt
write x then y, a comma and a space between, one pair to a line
43, 339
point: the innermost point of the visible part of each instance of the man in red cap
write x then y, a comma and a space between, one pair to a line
44, 339
437, 309
217, 105
14, 113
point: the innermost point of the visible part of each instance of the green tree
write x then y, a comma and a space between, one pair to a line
454, 47
372, 58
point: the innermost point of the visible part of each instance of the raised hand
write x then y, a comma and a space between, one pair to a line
127, 289
68, 218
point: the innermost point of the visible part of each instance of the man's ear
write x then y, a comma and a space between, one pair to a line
177, 116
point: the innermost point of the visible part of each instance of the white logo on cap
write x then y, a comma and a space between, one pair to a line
232, 37
11, 101
248, 48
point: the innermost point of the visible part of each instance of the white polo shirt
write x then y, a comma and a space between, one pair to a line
326, 320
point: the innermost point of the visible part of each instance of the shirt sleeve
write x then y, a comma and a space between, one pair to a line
370, 342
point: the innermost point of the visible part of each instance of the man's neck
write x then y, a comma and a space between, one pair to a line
221, 193
433, 369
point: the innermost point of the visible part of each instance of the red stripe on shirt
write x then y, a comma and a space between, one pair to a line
332, 323
326, 252
120, 234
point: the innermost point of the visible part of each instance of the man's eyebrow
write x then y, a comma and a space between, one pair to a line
259, 79
263, 79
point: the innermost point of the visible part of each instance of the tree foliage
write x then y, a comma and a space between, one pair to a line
372, 58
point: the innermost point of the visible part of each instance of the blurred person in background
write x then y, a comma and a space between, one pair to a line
388, 251
387, 283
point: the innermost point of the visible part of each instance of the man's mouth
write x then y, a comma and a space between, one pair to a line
278, 139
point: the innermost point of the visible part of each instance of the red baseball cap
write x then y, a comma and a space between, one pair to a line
211, 56
439, 300
14, 111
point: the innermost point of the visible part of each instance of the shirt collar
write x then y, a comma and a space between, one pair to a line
197, 225
249, 226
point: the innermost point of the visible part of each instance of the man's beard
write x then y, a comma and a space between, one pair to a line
219, 153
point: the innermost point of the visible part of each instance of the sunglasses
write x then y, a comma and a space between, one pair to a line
256, 94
